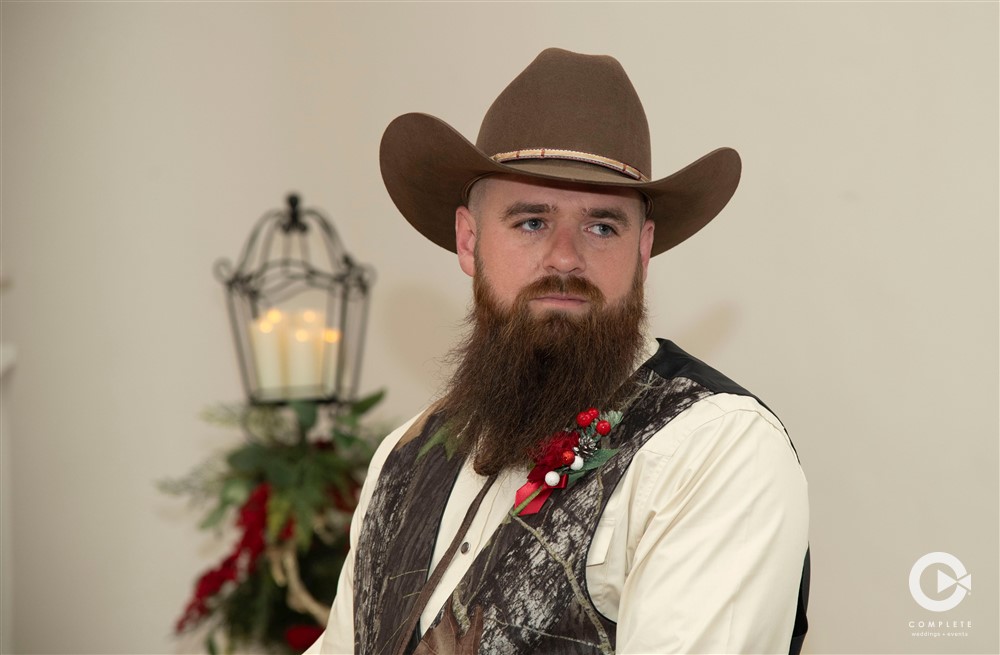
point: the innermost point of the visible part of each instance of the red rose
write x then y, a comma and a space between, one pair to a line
537, 474
227, 570
208, 584
195, 611
301, 636
346, 502
288, 531
552, 453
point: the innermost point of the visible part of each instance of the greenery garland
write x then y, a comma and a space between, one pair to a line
290, 489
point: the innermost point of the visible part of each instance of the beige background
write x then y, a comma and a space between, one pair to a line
852, 282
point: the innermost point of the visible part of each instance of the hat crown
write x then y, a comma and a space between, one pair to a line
568, 101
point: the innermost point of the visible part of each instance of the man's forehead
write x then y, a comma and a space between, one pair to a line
513, 193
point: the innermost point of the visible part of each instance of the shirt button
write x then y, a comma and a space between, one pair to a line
465, 547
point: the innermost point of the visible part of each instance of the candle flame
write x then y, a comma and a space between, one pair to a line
274, 315
302, 335
331, 336
266, 326
309, 316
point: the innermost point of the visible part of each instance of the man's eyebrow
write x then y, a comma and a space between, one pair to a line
520, 208
612, 214
605, 213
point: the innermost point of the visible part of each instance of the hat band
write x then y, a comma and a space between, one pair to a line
575, 155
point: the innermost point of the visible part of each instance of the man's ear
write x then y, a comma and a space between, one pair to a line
645, 245
465, 240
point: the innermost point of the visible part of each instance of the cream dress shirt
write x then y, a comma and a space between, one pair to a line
699, 549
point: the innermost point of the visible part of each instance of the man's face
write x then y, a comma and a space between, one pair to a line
557, 322
520, 230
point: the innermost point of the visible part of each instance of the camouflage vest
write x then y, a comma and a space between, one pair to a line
526, 591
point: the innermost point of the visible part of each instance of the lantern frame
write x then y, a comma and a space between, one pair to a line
275, 273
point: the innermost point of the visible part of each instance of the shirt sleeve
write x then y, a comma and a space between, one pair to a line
719, 524
338, 638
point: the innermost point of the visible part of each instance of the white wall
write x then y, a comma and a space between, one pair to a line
852, 282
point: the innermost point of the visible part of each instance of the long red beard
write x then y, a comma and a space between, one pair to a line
519, 377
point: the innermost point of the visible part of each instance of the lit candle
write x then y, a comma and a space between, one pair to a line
268, 345
310, 318
330, 346
304, 353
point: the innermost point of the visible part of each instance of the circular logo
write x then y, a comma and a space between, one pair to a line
959, 578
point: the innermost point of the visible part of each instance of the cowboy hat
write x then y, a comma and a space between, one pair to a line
569, 117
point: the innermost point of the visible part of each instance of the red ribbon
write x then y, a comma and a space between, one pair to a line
536, 503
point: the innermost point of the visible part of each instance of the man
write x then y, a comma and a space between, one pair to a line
558, 499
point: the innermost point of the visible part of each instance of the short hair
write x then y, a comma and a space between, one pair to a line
474, 196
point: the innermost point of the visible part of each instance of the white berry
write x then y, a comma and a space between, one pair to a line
577, 464
552, 478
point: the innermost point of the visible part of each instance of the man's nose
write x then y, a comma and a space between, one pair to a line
563, 255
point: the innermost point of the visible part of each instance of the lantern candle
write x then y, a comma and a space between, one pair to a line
304, 347
267, 336
331, 347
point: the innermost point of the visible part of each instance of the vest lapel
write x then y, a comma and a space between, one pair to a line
397, 541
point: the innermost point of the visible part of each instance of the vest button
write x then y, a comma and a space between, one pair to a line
465, 547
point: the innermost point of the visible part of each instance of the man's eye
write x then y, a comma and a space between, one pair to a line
602, 230
532, 224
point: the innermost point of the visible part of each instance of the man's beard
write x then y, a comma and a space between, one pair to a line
519, 377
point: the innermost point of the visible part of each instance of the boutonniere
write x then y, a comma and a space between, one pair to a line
565, 457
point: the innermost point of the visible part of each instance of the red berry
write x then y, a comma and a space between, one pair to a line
583, 419
568, 456
593, 412
603, 427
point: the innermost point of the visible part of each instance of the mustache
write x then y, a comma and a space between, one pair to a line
563, 285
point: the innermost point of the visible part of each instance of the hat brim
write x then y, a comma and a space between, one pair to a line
426, 165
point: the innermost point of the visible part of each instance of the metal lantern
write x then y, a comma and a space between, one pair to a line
298, 304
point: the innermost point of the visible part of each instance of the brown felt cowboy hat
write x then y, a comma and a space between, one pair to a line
568, 117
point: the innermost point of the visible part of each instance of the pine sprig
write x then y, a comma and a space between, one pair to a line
201, 484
